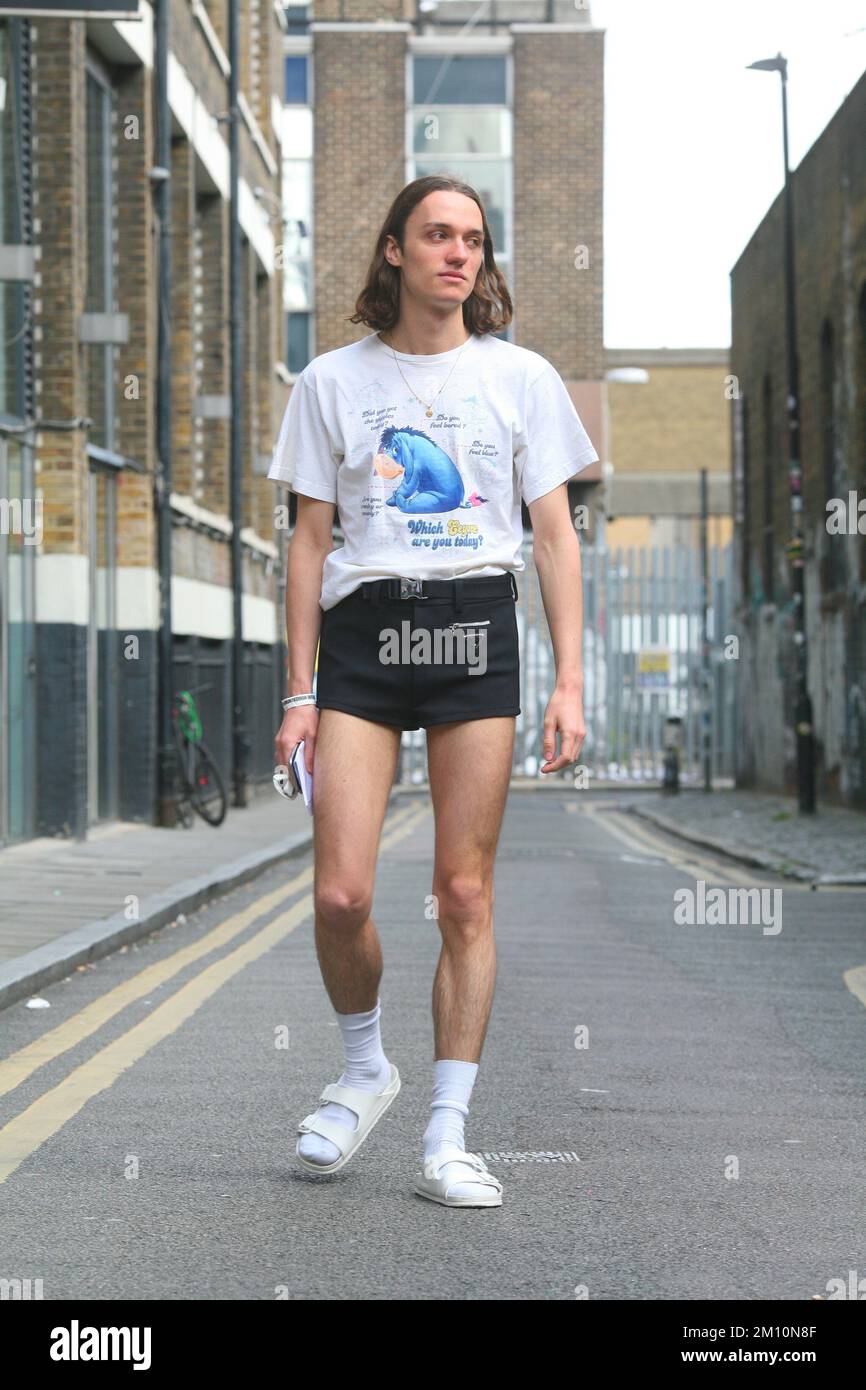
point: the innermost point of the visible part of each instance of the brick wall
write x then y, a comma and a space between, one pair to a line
558, 188
59, 211
136, 398
359, 136
829, 201
677, 422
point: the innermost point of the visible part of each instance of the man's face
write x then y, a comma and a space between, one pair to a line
443, 248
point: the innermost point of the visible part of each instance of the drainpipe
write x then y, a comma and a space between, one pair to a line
160, 177
240, 743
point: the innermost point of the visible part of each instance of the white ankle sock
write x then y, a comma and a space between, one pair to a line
367, 1069
452, 1086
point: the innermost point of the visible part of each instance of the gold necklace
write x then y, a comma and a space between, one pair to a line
429, 407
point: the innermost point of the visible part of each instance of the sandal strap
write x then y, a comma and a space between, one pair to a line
481, 1174
359, 1102
320, 1124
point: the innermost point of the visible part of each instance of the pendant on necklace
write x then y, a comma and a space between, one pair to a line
429, 413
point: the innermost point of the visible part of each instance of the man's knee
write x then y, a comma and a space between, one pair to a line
465, 900
343, 904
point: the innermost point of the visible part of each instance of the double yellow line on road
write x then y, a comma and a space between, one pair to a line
637, 836
51, 1111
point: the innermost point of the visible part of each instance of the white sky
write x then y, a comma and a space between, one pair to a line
693, 146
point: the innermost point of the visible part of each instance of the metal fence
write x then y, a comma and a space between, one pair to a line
643, 662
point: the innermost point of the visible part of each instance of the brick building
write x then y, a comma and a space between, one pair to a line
829, 202
509, 97
516, 91
80, 600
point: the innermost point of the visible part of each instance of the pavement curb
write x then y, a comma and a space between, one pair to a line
756, 860
56, 959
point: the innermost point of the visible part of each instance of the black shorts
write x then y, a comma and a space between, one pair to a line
469, 660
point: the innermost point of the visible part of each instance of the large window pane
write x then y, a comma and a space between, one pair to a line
298, 131
460, 132
297, 284
298, 342
14, 297
298, 194
459, 80
488, 178
296, 77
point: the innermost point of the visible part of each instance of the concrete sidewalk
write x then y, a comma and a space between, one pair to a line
764, 830
65, 902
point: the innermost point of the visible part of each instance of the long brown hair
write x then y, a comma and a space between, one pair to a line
488, 308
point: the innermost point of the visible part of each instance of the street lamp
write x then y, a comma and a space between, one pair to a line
794, 549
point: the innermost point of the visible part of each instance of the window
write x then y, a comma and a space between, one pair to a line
298, 342
460, 123
295, 83
297, 18
455, 79
15, 295
297, 261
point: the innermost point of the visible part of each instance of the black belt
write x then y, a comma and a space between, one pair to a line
458, 590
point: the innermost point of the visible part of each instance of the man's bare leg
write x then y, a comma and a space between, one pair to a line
470, 770
353, 774
355, 764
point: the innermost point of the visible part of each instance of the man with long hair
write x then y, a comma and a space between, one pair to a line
425, 434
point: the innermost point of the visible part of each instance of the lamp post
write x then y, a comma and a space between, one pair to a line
794, 549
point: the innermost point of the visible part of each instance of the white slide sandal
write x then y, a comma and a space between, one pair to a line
449, 1168
369, 1106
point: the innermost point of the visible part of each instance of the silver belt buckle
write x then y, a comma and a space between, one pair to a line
411, 588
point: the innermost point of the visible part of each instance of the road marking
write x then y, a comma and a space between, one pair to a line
19, 1065
23, 1135
640, 837
628, 835
855, 979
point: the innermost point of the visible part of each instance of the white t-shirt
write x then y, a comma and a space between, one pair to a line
427, 497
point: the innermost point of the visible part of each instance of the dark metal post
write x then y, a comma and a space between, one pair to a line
167, 812
240, 744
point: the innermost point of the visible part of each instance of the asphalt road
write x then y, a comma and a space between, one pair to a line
706, 1142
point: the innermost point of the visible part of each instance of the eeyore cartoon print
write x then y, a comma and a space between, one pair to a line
430, 482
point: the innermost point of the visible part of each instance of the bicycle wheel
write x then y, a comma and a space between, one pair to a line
207, 791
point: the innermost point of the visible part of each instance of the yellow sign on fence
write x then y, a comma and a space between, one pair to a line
653, 668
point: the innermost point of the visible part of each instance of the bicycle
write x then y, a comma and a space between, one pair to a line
203, 786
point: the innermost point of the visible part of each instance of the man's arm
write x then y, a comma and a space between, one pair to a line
556, 552
310, 545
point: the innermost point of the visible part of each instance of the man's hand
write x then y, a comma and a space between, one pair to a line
299, 724
564, 714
